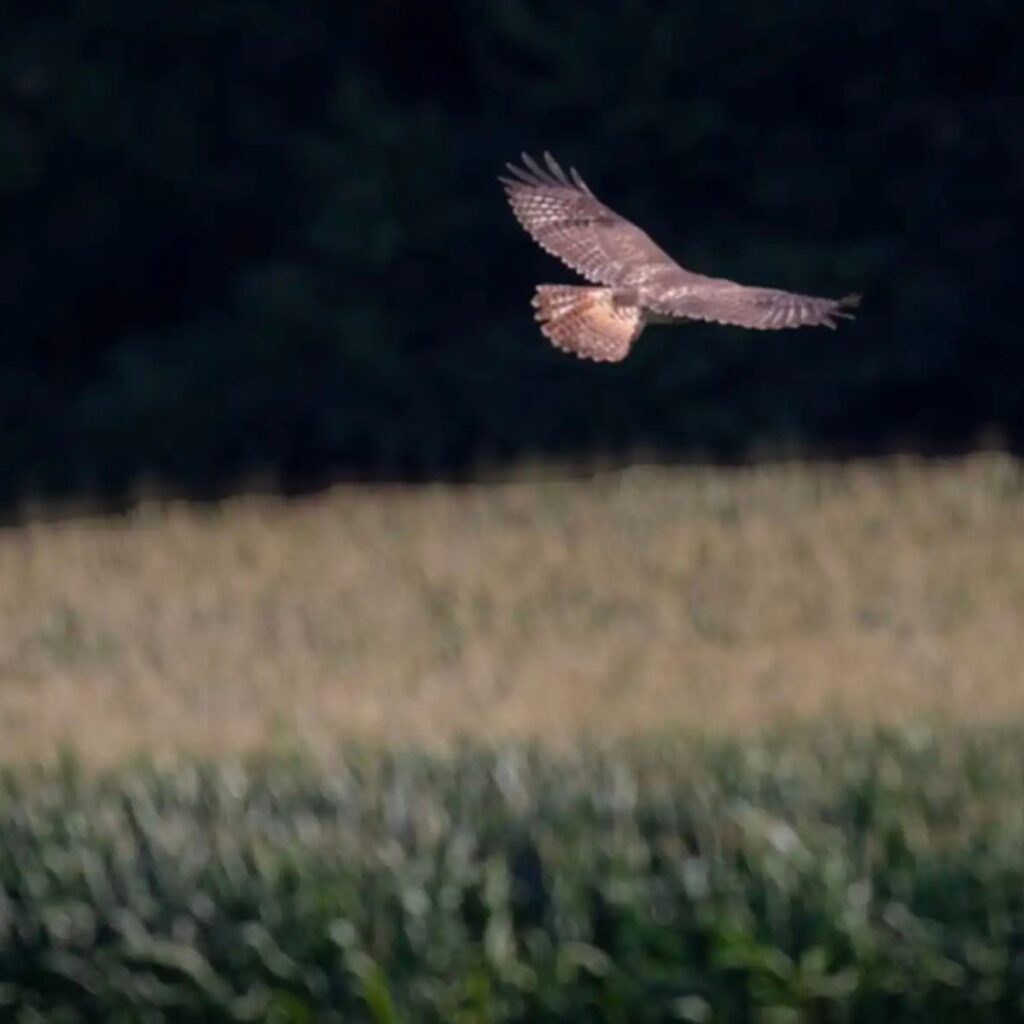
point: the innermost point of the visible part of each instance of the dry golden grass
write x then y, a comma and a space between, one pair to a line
709, 599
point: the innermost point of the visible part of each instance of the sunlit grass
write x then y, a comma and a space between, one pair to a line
711, 600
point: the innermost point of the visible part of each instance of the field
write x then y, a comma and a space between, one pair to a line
818, 878
691, 600
648, 745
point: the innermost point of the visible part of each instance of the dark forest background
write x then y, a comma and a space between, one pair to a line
243, 237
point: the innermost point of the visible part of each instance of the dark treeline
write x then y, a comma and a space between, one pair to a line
243, 237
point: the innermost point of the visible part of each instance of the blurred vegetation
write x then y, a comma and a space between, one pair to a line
819, 877
267, 236
715, 598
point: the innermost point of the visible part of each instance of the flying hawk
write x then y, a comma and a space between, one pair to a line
637, 283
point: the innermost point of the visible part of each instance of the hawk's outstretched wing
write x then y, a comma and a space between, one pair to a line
565, 218
766, 309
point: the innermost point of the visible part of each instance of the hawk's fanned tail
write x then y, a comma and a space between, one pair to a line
592, 323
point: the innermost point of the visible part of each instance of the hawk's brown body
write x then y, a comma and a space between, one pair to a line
636, 282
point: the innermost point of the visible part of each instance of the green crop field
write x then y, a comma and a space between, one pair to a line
651, 745
818, 877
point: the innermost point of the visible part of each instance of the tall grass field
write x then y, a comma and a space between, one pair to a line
706, 600
658, 744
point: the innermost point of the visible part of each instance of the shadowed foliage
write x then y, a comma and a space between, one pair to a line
243, 237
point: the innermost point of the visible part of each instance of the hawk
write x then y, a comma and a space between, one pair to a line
633, 282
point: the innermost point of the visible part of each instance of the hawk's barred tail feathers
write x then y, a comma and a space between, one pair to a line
587, 322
